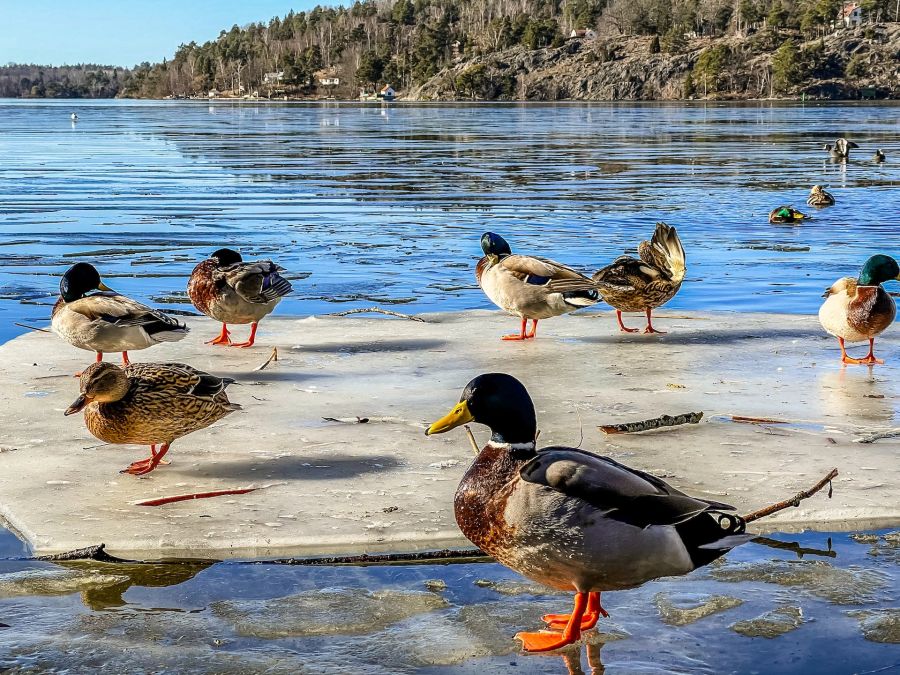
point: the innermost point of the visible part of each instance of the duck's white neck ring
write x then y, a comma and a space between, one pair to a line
512, 446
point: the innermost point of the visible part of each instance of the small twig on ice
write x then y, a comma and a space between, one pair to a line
793, 501
655, 423
755, 420
273, 357
368, 420
39, 330
795, 547
871, 438
159, 501
377, 310
380, 559
472, 439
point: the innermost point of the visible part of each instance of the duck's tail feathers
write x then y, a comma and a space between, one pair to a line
582, 298
666, 242
274, 286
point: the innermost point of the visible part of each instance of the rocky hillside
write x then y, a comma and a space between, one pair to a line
847, 64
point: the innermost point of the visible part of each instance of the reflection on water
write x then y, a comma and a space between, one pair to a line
386, 205
784, 602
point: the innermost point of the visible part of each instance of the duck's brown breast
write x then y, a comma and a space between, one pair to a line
202, 288
871, 311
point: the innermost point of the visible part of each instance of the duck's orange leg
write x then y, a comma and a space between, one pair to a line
520, 335
846, 358
251, 340
533, 329
650, 328
223, 339
546, 641
147, 465
869, 359
622, 326
591, 615
125, 361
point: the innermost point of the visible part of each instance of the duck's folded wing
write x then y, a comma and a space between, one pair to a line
179, 378
544, 272
627, 272
122, 311
258, 282
621, 493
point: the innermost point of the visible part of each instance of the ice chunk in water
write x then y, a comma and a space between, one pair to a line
879, 625
771, 624
55, 582
840, 586
684, 609
514, 587
326, 612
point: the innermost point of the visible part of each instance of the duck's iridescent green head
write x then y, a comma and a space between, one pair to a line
494, 244
878, 269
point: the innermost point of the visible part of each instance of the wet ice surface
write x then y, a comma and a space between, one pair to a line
760, 605
369, 205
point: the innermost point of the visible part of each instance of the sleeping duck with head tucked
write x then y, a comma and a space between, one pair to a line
530, 287
90, 315
856, 310
570, 519
227, 289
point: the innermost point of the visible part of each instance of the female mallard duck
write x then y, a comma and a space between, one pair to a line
106, 321
819, 196
570, 519
878, 157
231, 291
149, 404
642, 284
786, 214
840, 150
530, 287
856, 310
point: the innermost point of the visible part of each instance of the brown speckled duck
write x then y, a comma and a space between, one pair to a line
227, 289
149, 404
645, 283
570, 519
819, 197
90, 315
856, 310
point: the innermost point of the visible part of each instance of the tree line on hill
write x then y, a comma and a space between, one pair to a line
79, 81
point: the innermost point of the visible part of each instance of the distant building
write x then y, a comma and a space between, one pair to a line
849, 16
273, 78
213, 93
387, 93
456, 50
583, 33
330, 81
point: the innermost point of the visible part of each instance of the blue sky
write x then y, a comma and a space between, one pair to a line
121, 33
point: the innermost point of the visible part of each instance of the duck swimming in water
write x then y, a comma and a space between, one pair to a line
859, 309
840, 150
106, 321
227, 289
645, 283
570, 519
786, 215
878, 157
530, 287
819, 196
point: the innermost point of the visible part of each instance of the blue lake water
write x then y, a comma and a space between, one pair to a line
385, 205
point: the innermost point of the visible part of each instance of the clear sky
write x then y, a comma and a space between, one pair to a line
122, 32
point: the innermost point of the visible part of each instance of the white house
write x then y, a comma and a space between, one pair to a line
387, 93
850, 15
273, 78
584, 33
330, 81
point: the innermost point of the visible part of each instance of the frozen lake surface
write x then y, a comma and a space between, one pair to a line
385, 205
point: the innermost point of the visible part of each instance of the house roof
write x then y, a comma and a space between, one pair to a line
847, 10
385, 88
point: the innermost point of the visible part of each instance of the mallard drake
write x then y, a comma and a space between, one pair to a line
644, 283
878, 157
530, 287
840, 149
858, 309
149, 404
819, 196
786, 214
570, 519
232, 291
106, 321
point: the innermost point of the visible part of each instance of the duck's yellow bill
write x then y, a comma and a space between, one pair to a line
455, 418
103, 287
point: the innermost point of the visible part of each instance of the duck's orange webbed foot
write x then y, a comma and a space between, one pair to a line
521, 335
650, 328
622, 326
223, 339
591, 615
546, 641
145, 466
250, 340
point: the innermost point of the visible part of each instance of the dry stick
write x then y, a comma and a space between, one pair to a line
871, 438
96, 552
377, 310
159, 501
472, 439
793, 501
39, 330
755, 420
655, 423
273, 357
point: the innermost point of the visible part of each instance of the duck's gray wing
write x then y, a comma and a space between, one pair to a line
619, 492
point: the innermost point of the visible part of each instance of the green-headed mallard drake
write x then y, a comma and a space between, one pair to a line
149, 404
786, 215
819, 196
858, 309
530, 287
840, 149
878, 157
645, 283
570, 519
232, 291
105, 321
